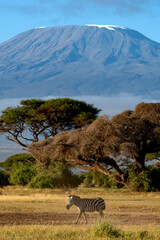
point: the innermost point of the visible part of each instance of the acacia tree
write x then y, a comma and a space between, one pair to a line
35, 119
107, 145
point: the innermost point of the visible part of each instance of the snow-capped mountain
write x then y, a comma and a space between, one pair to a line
79, 60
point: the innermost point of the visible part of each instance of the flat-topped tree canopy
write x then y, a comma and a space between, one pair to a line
107, 145
36, 119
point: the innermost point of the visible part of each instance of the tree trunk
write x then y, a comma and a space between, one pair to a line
140, 162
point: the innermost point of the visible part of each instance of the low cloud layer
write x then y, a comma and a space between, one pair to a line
114, 104
109, 105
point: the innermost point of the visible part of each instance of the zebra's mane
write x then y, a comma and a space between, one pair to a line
74, 196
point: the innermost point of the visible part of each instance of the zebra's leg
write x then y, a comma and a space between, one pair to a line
101, 214
85, 217
79, 215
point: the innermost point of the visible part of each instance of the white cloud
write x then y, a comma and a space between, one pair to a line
9, 102
114, 104
109, 105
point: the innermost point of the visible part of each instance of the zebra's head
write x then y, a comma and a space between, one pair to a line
71, 200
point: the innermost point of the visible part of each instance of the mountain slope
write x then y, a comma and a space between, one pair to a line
79, 60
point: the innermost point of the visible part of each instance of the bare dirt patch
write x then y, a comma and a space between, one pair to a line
54, 218
35, 218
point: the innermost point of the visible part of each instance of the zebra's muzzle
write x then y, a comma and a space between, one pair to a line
68, 207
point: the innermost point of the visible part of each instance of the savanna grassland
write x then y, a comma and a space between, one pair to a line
41, 214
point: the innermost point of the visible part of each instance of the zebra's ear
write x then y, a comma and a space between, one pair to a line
69, 196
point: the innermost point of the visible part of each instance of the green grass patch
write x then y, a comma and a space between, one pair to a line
100, 231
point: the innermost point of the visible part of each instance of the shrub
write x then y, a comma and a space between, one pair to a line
63, 176
96, 178
42, 181
147, 180
88, 179
21, 168
13, 161
22, 175
107, 230
59, 175
4, 178
139, 181
155, 176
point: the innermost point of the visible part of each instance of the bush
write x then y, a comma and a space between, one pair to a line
96, 178
147, 180
22, 171
22, 175
63, 176
20, 168
107, 230
59, 175
4, 178
155, 176
13, 162
42, 181
139, 181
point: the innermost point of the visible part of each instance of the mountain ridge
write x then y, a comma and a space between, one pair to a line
79, 60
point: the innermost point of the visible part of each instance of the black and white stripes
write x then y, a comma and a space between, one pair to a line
86, 205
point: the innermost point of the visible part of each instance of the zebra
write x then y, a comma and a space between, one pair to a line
86, 205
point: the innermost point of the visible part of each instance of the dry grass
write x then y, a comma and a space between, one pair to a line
28, 212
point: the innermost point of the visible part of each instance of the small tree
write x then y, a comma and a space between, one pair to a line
16, 160
108, 145
21, 168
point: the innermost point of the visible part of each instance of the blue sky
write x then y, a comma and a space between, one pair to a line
17, 16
